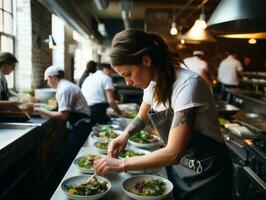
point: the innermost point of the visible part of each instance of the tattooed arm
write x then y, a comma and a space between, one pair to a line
117, 145
179, 136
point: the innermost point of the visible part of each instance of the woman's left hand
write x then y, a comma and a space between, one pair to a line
108, 165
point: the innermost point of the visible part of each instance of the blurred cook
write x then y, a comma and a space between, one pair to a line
72, 105
99, 93
197, 64
7, 64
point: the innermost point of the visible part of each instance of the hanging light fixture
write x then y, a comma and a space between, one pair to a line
173, 30
197, 33
239, 19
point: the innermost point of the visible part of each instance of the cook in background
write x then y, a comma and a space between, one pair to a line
197, 64
7, 64
180, 105
98, 91
229, 71
90, 69
72, 106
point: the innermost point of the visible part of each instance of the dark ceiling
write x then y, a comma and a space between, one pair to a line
150, 15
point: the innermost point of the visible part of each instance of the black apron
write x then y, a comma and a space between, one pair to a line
98, 113
205, 170
81, 126
4, 94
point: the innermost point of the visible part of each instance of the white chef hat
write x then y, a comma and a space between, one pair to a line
52, 71
198, 53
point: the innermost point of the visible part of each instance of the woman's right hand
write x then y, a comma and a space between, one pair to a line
117, 145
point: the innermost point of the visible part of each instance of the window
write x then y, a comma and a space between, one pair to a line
7, 37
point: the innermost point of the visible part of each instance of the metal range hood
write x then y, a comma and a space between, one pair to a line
239, 18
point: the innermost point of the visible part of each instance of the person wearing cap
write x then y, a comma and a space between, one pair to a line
197, 64
98, 91
72, 105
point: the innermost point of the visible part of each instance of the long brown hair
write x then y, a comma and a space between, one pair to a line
129, 46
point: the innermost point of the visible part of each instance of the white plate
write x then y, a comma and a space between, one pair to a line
96, 137
145, 145
131, 182
77, 180
103, 151
100, 126
82, 169
138, 151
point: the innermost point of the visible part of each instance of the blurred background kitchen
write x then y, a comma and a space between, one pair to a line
217, 34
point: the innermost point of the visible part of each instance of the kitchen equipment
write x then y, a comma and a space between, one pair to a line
43, 94
226, 110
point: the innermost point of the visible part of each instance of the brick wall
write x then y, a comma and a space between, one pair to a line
41, 54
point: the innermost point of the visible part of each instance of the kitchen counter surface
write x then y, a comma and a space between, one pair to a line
116, 180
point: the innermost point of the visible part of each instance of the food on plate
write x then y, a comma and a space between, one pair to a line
149, 187
92, 187
87, 161
102, 144
143, 137
106, 133
130, 153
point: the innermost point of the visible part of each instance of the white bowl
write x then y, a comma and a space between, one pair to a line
103, 151
145, 152
131, 182
83, 169
43, 94
99, 126
145, 145
77, 180
95, 136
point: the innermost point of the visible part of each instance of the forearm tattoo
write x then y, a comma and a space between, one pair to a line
136, 125
187, 116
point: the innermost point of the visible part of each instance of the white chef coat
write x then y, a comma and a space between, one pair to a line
94, 87
190, 90
196, 64
228, 71
70, 98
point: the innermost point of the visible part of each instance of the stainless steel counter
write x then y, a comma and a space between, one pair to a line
10, 132
116, 180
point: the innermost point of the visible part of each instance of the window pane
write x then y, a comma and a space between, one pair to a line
1, 20
7, 5
7, 23
1, 5
6, 44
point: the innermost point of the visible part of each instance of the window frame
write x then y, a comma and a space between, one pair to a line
6, 34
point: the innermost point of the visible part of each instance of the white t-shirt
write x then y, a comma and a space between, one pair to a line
70, 98
228, 71
94, 87
195, 64
190, 90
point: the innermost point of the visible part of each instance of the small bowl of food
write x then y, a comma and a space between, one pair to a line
133, 152
85, 163
105, 134
101, 146
79, 188
144, 139
147, 187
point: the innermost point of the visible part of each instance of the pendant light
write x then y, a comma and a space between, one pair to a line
197, 33
173, 30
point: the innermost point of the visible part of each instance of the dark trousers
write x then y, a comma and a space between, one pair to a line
77, 137
98, 113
